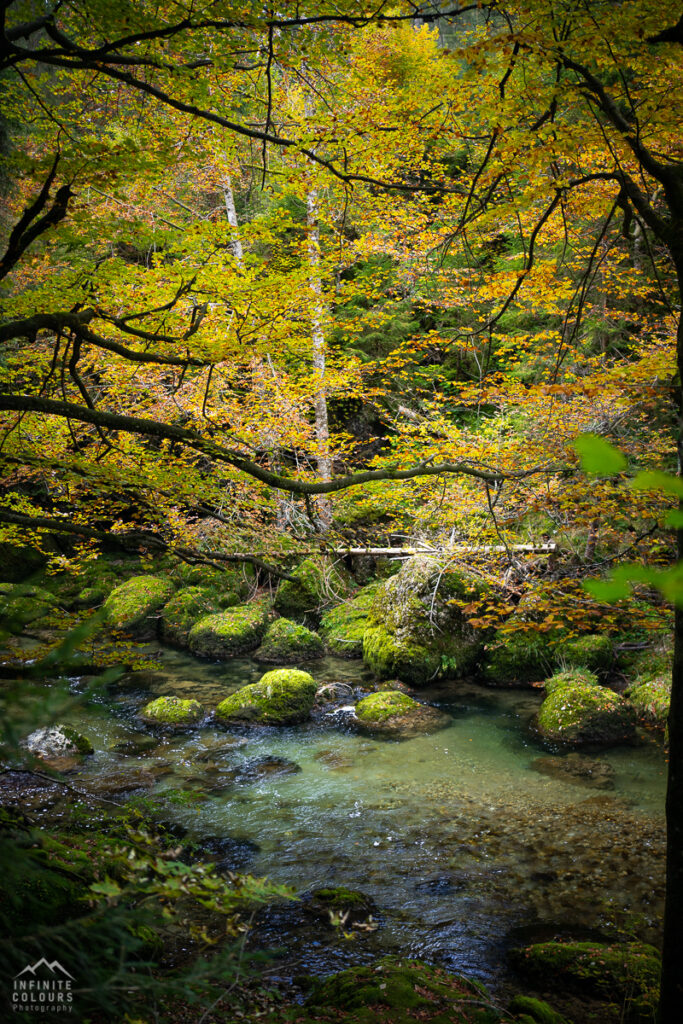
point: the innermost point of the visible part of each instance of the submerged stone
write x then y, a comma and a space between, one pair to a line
281, 697
226, 853
131, 607
394, 715
286, 642
262, 768
229, 633
577, 769
576, 711
172, 711
337, 904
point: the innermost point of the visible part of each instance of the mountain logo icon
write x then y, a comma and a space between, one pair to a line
55, 967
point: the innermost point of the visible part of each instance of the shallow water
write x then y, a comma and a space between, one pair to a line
457, 837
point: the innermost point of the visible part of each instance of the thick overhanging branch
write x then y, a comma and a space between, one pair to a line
77, 323
206, 446
135, 539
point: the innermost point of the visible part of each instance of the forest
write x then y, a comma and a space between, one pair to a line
341, 511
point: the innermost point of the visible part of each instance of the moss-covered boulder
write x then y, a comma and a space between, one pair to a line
57, 741
172, 712
22, 604
593, 651
133, 606
651, 699
577, 710
517, 658
287, 643
417, 630
623, 973
527, 1010
650, 690
281, 697
230, 633
342, 628
318, 584
398, 991
185, 608
335, 903
391, 714
232, 585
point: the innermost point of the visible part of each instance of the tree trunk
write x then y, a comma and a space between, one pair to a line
231, 214
671, 990
318, 314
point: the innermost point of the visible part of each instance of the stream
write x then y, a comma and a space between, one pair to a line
469, 840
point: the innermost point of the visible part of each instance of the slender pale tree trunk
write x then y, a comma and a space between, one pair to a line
318, 317
231, 214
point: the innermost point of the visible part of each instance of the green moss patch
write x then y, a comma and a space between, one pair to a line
576, 711
318, 584
593, 651
286, 642
343, 627
131, 607
22, 604
173, 711
281, 697
416, 629
394, 715
229, 633
398, 991
626, 974
651, 699
517, 658
185, 608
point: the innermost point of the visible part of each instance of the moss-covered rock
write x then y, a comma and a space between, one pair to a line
576, 711
528, 1010
227, 634
593, 651
394, 715
319, 583
626, 973
185, 608
22, 604
397, 990
517, 658
281, 697
416, 629
287, 643
342, 628
132, 606
650, 690
337, 902
230, 585
56, 741
172, 711
651, 699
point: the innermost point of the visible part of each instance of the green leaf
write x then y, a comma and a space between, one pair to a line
674, 520
598, 456
651, 480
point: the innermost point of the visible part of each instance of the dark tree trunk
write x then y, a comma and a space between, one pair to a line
671, 991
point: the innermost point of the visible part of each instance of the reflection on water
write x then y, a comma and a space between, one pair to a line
459, 837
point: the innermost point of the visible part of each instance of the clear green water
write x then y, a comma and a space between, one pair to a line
458, 838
